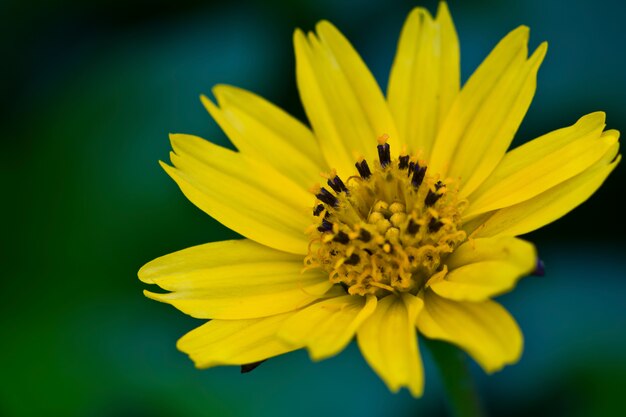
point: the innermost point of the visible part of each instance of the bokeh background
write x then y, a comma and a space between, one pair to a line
90, 91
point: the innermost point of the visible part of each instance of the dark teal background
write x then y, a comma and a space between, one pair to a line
89, 94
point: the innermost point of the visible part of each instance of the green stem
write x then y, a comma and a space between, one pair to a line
463, 400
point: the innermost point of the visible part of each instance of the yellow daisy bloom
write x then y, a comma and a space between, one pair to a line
414, 228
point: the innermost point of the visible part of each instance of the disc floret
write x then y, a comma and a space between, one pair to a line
387, 229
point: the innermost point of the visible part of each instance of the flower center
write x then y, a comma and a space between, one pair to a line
387, 229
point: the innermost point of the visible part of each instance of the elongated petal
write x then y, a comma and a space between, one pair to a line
551, 204
235, 342
341, 97
249, 197
388, 342
264, 132
325, 328
541, 164
424, 78
484, 329
235, 279
483, 268
486, 114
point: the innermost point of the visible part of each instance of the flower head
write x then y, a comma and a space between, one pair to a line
413, 225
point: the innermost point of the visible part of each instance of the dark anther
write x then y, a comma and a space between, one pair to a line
365, 236
326, 197
431, 198
384, 155
337, 185
434, 225
403, 162
318, 210
344, 286
364, 169
540, 268
411, 168
326, 226
352, 260
418, 175
369, 252
250, 366
341, 237
413, 227
438, 185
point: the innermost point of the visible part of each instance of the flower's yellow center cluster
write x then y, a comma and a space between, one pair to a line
386, 230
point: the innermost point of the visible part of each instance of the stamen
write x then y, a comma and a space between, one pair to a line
364, 169
352, 260
403, 162
386, 231
431, 198
341, 237
318, 209
337, 185
434, 225
326, 226
325, 196
384, 154
411, 168
540, 268
418, 175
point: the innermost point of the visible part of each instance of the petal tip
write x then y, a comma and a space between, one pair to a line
154, 296
144, 275
540, 52
298, 36
419, 13
325, 25
224, 91
521, 34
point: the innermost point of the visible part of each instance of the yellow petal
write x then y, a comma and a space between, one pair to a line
247, 196
486, 114
483, 268
541, 164
551, 204
341, 98
484, 329
262, 131
235, 342
235, 279
424, 78
388, 342
327, 327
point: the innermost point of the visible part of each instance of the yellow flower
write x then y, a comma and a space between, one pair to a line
413, 232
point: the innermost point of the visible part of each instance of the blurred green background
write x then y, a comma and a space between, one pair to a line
90, 91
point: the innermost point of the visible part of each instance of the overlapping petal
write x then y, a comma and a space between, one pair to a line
539, 165
484, 329
488, 111
235, 342
245, 195
265, 132
388, 341
483, 268
550, 205
342, 100
325, 328
235, 279
424, 79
